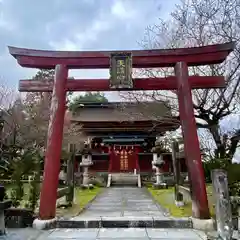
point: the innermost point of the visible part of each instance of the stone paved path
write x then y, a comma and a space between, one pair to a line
123, 202
108, 234
114, 202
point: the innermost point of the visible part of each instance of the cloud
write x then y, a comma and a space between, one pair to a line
64, 45
123, 10
72, 25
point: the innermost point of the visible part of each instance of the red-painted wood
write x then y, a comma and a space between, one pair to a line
131, 163
111, 158
191, 144
183, 166
145, 163
136, 151
48, 197
115, 163
211, 54
99, 166
167, 83
166, 166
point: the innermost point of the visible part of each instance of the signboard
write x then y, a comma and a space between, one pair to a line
121, 71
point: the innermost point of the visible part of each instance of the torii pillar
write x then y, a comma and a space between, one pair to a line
200, 208
48, 196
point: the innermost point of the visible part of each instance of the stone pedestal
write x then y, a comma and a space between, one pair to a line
86, 163
78, 178
159, 176
3, 206
85, 176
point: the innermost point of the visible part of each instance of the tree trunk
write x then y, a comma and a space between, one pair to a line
223, 150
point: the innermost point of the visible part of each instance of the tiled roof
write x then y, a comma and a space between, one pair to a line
118, 112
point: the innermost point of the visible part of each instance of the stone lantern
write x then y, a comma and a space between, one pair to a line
86, 163
157, 164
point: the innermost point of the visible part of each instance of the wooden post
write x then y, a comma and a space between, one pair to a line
70, 174
176, 170
48, 196
200, 208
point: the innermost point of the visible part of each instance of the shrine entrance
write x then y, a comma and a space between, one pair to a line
120, 65
124, 160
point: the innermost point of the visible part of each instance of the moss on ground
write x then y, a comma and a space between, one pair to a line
165, 197
211, 200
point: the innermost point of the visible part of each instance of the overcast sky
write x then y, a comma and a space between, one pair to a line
73, 25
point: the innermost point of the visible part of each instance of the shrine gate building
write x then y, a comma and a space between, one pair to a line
123, 135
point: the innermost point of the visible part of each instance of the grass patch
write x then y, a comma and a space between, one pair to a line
81, 199
211, 200
165, 197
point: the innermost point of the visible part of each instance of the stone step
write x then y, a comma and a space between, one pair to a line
123, 222
124, 179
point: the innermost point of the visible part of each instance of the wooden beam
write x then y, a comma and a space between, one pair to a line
128, 123
145, 129
117, 127
212, 54
168, 83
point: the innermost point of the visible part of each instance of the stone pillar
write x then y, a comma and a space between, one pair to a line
48, 196
86, 163
200, 208
153, 163
223, 204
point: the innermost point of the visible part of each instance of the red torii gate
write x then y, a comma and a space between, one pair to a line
180, 59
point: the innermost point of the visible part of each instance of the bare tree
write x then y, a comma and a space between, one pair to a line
36, 109
8, 98
198, 23
73, 133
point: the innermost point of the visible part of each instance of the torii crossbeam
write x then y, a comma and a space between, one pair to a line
167, 83
180, 59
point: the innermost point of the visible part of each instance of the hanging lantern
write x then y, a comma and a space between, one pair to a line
121, 71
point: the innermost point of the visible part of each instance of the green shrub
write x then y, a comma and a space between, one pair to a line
17, 192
